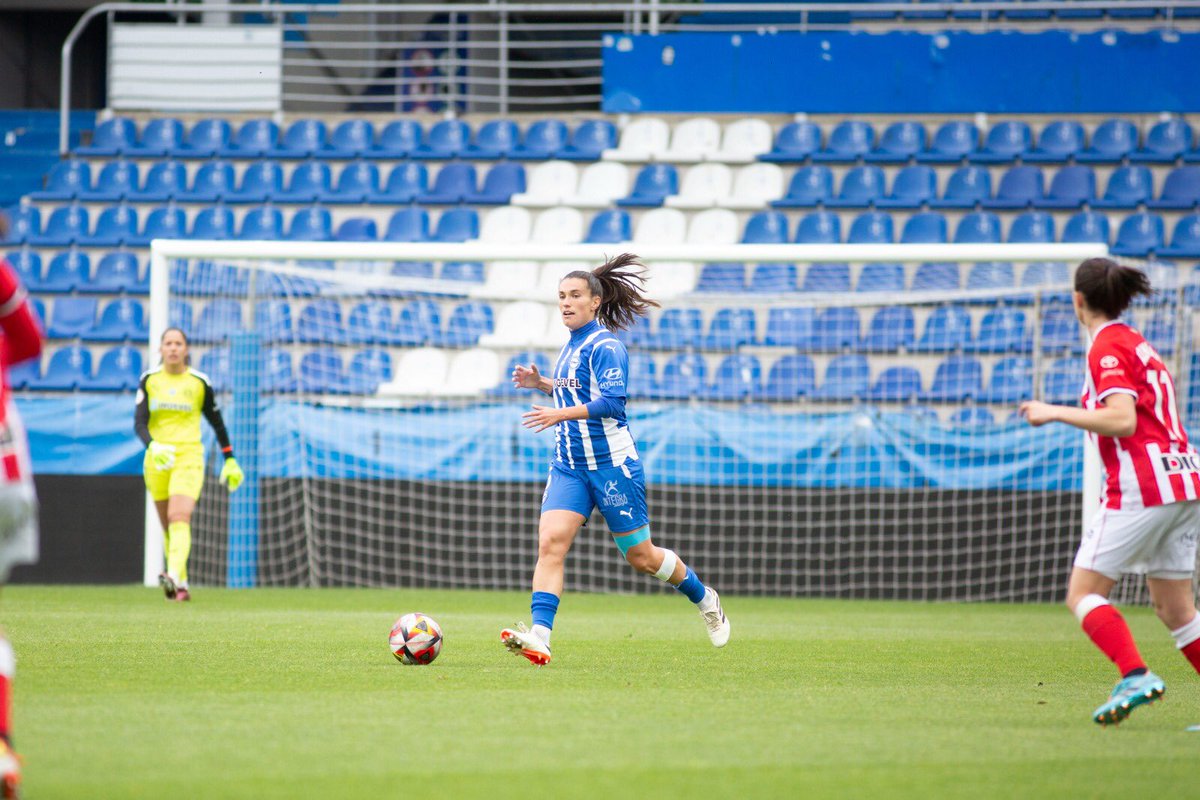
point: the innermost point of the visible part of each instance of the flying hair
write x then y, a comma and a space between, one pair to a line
619, 283
1109, 287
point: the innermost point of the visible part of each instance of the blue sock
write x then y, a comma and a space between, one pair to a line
692, 587
543, 607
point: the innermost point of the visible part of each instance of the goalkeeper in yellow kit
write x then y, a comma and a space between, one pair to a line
170, 400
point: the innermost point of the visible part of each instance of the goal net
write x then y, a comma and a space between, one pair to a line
814, 420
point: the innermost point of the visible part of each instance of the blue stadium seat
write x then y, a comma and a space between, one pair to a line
978, 227
738, 377
926, 227
1020, 187
1059, 142
261, 181
466, 324
215, 222
21, 375
861, 187
1180, 190
825, 227
1063, 381
957, 379
543, 139
678, 328
652, 186
795, 142
828, 278
913, 187
991, 275
900, 384
116, 226
967, 187
946, 330
273, 320
836, 328
214, 181
111, 138
254, 139
499, 185
322, 372
1032, 227
723, 278
117, 180
1044, 273
457, 225
1160, 332
589, 141
773, 278
1128, 187
891, 329
161, 137
67, 225
398, 139
881, 278
609, 227
354, 138
453, 184
209, 279
937, 277
404, 184
971, 416
320, 322
1139, 235
1002, 330
730, 329
278, 375
953, 142
847, 377
1071, 187
65, 273
789, 327
1086, 226
66, 181
640, 333
217, 364
682, 378
24, 224
900, 142
357, 229
370, 322
766, 227
207, 138
417, 322
1060, 331
447, 139
218, 320
1112, 141
1165, 142
408, 225
810, 186
368, 368
1185, 240
1005, 142
496, 138
872, 227
122, 320
72, 317
310, 182
312, 224
304, 138
179, 313
262, 223
27, 264
848, 142
356, 183
790, 377
69, 368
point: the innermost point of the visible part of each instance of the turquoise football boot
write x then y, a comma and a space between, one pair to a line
1130, 693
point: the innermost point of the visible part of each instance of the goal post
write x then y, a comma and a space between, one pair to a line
334, 494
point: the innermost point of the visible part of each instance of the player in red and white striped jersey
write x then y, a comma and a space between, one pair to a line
1149, 516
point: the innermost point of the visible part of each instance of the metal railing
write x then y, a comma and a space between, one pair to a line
507, 57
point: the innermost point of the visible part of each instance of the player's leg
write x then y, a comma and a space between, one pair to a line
179, 524
1175, 605
649, 559
158, 484
10, 767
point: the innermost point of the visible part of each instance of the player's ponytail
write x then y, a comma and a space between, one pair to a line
1109, 287
619, 283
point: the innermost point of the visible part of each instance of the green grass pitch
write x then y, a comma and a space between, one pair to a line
277, 693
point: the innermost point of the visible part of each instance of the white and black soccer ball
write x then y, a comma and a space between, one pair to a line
416, 638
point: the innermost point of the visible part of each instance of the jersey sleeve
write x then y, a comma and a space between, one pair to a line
22, 333
141, 413
1111, 367
212, 413
609, 363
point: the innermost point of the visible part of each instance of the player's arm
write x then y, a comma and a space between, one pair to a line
1116, 417
231, 474
610, 367
141, 414
22, 333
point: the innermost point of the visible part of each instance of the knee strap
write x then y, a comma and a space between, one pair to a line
667, 569
626, 541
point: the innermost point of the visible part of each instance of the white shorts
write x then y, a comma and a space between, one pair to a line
1159, 541
18, 501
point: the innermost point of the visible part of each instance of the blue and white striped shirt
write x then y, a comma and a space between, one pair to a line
592, 370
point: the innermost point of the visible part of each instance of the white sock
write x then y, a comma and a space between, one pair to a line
709, 601
542, 631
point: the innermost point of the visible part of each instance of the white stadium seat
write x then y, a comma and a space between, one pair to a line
714, 226
550, 183
561, 225
556, 334
507, 224
704, 186
518, 325
754, 186
641, 140
601, 184
693, 140
744, 141
510, 279
419, 373
552, 275
471, 372
661, 226
667, 279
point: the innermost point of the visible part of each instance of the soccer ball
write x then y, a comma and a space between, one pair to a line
415, 639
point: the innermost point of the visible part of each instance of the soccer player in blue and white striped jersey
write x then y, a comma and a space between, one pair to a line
596, 462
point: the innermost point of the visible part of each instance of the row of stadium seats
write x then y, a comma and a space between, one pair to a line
559, 183
648, 139
961, 10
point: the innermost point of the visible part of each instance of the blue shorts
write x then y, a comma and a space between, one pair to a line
619, 492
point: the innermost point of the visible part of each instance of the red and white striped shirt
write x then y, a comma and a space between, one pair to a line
1155, 465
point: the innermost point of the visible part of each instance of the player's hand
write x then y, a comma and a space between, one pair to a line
540, 418
524, 377
1037, 413
162, 455
231, 475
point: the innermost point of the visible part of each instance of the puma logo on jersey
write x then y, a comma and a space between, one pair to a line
626, 512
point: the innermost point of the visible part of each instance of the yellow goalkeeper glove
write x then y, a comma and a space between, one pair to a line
162, 455
232, 475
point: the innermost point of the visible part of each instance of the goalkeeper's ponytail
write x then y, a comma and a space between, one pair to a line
619, 283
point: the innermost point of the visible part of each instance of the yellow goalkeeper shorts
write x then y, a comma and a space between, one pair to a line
185, 478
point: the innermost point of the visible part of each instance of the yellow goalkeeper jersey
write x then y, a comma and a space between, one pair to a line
169, 407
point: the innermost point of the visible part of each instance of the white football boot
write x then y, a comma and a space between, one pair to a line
714, 618
523, 642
